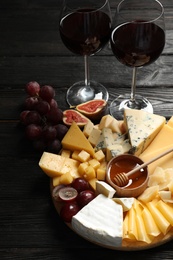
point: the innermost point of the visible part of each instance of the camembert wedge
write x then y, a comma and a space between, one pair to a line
100, 221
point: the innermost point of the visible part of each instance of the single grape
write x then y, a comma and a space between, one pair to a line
55, 115
85, 197
68, 193
23, 115
47, 93
80, 184
55, 192
53, 103
30, 103
68, 210
42, 107
54, 146
33, 117
49, 133
32, 88
39, 145
61, 130
33, 132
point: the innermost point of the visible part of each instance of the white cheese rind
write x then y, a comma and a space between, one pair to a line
104, 188
125, 202
100, 221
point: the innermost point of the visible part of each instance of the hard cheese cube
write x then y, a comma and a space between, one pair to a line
83, 156
82, 167
66, 178
89, 173
66, 153
101, 174
94, 163
99, 155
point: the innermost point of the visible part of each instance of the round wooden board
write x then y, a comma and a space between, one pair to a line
127, 245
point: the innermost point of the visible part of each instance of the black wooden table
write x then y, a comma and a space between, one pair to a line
31, 49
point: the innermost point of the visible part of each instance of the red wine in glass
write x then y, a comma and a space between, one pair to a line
137, 44
137, 40
85, 32
85, 28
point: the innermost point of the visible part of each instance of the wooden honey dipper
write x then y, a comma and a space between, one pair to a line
122, 179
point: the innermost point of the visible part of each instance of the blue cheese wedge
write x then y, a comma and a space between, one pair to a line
105, 139
100, 221
142, 128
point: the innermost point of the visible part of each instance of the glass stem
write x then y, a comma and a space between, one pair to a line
133, 87
87, 83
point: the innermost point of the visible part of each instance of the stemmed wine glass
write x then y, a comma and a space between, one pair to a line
85, 28
137, 40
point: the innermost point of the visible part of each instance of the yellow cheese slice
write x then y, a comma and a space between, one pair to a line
150, 225
142, 128
159, 219
170, 122
161, 143
76, 140
166, 210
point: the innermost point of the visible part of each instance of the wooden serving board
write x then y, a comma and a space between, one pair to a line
127, 245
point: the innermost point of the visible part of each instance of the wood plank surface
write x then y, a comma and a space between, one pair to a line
31, 49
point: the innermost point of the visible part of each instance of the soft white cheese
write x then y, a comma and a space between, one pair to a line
100, 221
104, 188
125, 202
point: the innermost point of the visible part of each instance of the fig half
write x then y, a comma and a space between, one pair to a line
93, 109
71, 115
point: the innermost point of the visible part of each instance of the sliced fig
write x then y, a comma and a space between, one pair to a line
93, 109
71, 115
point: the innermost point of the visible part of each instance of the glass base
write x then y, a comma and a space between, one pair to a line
123, 101
79, 93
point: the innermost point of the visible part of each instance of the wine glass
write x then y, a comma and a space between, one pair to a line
137, 40
85, 28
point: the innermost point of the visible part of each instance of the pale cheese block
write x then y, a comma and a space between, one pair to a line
113, 150
106, 139
76, 140
125, 202
88, 128
100, 221
55, 165
105, 121
142, 128
94, 136
105, 189
51, 163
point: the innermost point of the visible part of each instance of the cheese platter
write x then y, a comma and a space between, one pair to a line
119, 223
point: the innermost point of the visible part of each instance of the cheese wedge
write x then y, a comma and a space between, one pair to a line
142, 128
100, 221
105, 189
76, 140
161, 143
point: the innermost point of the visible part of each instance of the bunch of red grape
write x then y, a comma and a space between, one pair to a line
42, 118
73, 197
